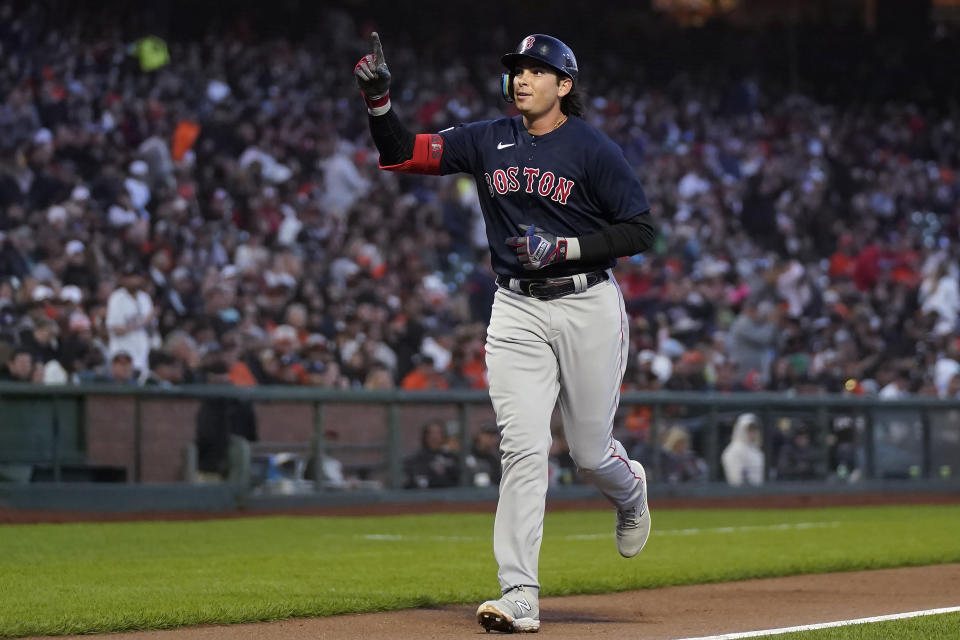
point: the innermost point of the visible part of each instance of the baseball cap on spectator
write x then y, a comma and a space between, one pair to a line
121, 355
42, 292
284, 332
228, 271
71, 293
180, 273
42, 136
316, 339
662, 368
79, 321
80, 193
279, 279
217, 90
685, 325
74, 246
56, 214
138, 168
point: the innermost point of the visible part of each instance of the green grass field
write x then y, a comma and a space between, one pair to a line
83, 578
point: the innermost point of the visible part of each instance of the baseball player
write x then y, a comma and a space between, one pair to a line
560, 204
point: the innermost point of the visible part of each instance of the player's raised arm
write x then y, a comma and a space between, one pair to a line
400, 150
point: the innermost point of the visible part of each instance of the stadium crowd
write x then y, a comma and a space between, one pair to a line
210, 210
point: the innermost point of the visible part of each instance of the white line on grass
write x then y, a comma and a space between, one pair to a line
794, 526
828, 625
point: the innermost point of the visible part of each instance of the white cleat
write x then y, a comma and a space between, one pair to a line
633, 525
517, 611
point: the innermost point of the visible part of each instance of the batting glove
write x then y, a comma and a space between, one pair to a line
373, 78
537, 248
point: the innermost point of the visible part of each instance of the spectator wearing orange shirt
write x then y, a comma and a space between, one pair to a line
238, 372
423, 376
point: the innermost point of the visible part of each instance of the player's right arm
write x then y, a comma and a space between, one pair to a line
400, 150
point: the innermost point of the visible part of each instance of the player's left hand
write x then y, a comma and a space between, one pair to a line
537, 248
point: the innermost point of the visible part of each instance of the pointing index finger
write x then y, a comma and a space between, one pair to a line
377, 49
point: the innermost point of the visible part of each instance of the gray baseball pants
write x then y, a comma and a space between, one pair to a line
572, 349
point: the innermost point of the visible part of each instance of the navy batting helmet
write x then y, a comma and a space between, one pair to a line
547, 49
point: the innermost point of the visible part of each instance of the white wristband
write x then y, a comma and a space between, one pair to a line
573, 248
379, 111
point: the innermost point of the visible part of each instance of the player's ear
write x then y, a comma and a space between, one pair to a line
566, 86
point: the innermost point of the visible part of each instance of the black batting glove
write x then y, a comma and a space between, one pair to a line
373, 76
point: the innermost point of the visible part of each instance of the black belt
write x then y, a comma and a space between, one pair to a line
550, 288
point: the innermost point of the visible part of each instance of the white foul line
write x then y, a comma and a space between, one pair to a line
794, 526
828, 625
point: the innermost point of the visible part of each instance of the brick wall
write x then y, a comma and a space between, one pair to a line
168, 425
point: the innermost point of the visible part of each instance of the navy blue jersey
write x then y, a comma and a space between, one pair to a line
570, 182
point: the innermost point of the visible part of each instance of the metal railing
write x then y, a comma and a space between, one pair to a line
707, 416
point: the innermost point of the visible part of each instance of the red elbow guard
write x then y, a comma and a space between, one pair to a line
427, 149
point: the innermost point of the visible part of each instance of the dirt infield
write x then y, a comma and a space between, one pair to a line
656, 614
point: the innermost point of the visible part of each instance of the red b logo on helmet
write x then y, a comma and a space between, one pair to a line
526, 44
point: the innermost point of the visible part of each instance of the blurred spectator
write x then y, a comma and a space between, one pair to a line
41, 340
77, 271
434, 465
680, 463
331, 469
753, 336
77, 345
218, 419
940, 295
424, 377
14, 248
120, 370
483, 461
797, 459
743, 459
378, 377
898, 387
21, 367
130, 316
238, 372
165, 371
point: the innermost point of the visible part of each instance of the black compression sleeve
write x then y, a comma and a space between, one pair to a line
617, 240
393, 140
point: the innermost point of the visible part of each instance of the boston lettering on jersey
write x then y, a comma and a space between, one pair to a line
504, 181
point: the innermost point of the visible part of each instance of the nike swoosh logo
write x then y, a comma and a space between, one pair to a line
500, 145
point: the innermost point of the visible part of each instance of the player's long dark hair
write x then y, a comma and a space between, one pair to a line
572, 104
